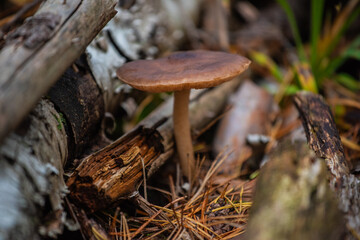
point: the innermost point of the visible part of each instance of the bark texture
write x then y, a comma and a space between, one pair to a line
322, 134
324, 139
31, 176
80, 101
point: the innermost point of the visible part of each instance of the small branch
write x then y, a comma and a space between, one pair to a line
322, 134
323, 138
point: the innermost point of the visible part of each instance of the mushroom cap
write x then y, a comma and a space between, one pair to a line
183, 70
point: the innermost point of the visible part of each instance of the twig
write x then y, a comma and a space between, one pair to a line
154, 216
144, 178
214, 166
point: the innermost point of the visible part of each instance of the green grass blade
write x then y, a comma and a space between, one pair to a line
264, 61
348, 81
317, 8
355, 12
291, 90
352, 51
294, 27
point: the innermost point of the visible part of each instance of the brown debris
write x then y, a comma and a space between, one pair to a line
215, 211
251, 113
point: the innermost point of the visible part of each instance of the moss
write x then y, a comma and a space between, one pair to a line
61, 121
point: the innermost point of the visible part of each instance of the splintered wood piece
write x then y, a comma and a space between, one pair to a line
116, 169
324, 139
293, 199
115, 172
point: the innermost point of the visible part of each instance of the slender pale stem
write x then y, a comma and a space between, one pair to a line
182, 132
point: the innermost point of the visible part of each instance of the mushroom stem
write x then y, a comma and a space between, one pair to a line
182, 132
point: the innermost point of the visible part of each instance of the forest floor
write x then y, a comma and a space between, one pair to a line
302, 86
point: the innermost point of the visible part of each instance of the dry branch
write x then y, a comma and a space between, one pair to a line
323, 138
36, 54
115, 171
322, 134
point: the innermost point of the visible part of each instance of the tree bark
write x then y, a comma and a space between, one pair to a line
115, 172
80, 101
32, 177
37, 53
324, 139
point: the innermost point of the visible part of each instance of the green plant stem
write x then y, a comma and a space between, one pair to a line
294, 27
317, 8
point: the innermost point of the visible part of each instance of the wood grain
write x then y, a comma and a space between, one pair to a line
28, 70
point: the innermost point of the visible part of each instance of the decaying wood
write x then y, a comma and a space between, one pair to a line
80, 101
36, 54
116, 171
322, 134
323, 138
48, 137
31, 176
293, 199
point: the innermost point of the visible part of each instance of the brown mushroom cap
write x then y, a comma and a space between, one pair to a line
183, 70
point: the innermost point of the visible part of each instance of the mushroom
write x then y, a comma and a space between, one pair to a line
179, 72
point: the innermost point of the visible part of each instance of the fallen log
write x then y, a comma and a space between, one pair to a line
32, 157
115, 172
